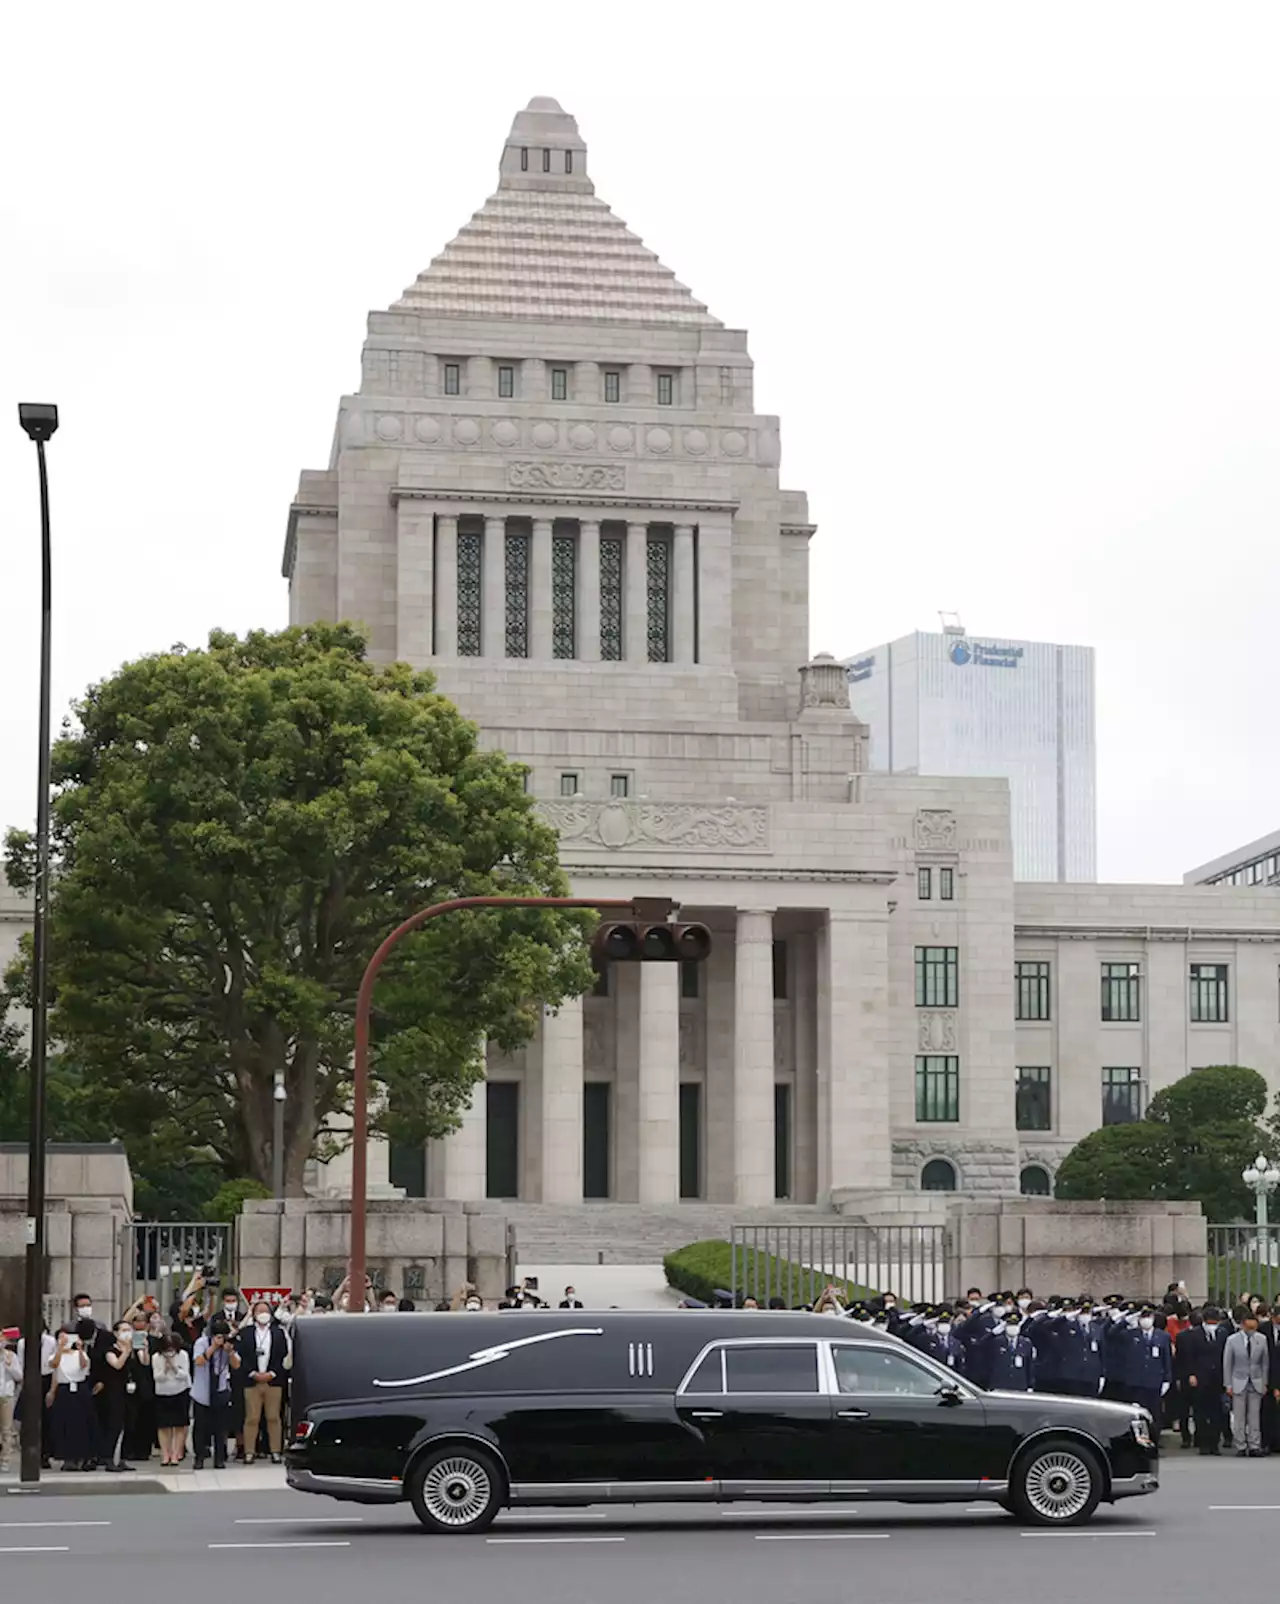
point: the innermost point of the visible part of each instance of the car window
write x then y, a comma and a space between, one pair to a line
785, 1368
868, 1369
709, 1376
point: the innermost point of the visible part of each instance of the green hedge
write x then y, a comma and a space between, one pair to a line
1231, 1280
701, 1267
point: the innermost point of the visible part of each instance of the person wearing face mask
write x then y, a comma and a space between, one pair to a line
387, 1303
264, 1355
119, 1387
1246, 1366
1146, 1365
72, 1425
1023, 1299
945, 1346
472, 1305
1204, 1379
1009, 1358
216, 1363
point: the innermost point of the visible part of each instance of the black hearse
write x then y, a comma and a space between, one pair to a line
463, 1414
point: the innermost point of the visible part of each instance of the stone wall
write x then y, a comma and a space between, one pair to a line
1099, 1248
89, 1201
422, 1248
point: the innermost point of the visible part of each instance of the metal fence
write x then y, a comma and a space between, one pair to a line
159, 1260
795, 1262
1243, 1259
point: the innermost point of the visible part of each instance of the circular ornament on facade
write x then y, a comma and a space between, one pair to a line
614, 827
695, 442
543, 435
505, 433
427, 430
388, 427
620, 438
583, 436
466, 431
733, 443
658, 440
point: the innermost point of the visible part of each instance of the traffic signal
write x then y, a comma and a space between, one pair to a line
646, 941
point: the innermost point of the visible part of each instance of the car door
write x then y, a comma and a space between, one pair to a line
764, 1417
897, 1422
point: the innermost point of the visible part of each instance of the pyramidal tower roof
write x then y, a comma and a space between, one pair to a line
545, 246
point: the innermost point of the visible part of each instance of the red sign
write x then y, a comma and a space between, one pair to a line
272, 1295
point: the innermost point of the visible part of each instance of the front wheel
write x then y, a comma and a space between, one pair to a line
456, 1490
1056, 1483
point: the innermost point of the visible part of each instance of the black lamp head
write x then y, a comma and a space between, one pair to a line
39, 419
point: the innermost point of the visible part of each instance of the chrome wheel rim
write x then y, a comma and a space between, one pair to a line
456, 1492
1058, 1485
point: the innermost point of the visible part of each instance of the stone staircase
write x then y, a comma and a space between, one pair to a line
635, 1233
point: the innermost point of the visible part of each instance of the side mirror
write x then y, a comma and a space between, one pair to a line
948, 1393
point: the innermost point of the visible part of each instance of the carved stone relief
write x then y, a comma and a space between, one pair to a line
937, 1029
935, 830
685, 826
610, 476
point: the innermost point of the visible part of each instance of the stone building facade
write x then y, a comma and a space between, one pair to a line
553, 488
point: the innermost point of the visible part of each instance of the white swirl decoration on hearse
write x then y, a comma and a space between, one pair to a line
687, 826
489, 1356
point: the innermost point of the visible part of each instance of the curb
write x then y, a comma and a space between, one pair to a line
97, 1484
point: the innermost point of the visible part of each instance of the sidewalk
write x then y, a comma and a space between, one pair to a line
75, 1484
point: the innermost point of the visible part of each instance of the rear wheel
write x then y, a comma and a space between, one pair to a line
1056, 1483
456, 1490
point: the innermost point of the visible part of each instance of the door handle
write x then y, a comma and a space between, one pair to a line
707, 1414
853, 1414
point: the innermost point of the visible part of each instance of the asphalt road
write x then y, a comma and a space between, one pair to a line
1207, 1531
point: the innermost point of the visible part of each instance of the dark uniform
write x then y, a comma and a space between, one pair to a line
1145, 1366
1009, 1359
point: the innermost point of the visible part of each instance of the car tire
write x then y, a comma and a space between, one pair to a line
1057, 1482
457, 1489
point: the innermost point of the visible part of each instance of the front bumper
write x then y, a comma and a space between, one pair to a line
351, 1489
1134, 1486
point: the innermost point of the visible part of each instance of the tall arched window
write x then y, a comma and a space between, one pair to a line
938, 1175
1034, 1181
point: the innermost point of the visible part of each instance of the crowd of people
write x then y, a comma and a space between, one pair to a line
1211, 1376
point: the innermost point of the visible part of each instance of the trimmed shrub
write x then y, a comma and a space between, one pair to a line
701, 1268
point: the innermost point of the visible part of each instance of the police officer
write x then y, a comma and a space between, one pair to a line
1148, 1364
946, 1347
1092, 1355
1010, 1364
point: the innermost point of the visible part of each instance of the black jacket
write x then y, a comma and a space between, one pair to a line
247, 1348
1204, 1355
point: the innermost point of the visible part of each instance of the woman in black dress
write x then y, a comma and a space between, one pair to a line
140, 1407
119, 1388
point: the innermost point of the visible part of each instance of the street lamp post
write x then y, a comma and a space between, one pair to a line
277, 1135
1262, 1177
39, 421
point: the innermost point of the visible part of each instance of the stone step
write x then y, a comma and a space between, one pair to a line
636, 1233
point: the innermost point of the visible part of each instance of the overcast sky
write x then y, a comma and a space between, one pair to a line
1011, 272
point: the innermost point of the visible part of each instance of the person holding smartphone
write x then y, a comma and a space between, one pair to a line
171, 1368
119, 1387
10, 1391
70, 1400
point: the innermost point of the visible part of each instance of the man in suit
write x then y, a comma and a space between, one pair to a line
1204, 1379
263, 1348
1245, 1374
570, 1299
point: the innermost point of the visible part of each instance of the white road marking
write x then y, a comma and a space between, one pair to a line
1090, 1536
318, 1543
782, 1514
35, 1550
60, 1525
296, 1520
555, 1514
555, 1539
1244, 1506
817, 1537
984, 1509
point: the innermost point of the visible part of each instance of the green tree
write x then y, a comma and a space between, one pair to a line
235, 830
1198, 1135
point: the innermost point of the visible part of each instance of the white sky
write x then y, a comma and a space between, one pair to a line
1011, 271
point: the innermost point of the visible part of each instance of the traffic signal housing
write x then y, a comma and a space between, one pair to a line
649, 941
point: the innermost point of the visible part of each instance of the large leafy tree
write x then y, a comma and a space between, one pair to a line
235, 831
1198, 1135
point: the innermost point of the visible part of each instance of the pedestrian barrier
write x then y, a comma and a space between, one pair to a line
795, 1262
1243, 1259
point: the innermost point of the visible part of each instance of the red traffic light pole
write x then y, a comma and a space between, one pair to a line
641, 908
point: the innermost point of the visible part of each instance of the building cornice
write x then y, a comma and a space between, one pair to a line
299, 509
557, 498
1180, 933
618, 868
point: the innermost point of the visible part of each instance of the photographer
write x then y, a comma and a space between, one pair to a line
216, 1359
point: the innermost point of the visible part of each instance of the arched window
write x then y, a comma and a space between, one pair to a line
1034, 1181
938, 1175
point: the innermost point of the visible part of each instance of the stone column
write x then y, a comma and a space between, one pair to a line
562, 1103
717, 1111
805, 1110
493, 634
715, 589
624, 981
639, 384
682, 609
447, 585
588, 620
457, 1164
585, 389
430, 375
753, 1175
659, 1180
533, 379
636, 597
415, 539
540, 592
853, 992
480, 385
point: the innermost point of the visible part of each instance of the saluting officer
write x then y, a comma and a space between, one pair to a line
1010, 1358
1148, 1364
1092, 1355
945, 1346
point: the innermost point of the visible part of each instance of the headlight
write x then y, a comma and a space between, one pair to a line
1140, 1426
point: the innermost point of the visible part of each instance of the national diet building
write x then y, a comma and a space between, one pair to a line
553, 489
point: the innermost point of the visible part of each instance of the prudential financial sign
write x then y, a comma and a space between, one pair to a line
964, 652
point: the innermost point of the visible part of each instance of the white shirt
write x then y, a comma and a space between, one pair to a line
172, 1372
262, 1338
10, 1374
73, 1367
